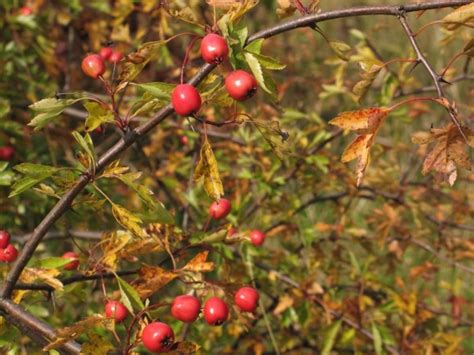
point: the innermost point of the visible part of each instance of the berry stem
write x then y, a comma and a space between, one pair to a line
186, 57
415, 99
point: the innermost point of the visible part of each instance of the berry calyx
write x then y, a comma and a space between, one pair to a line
93, 65
215, 311
116, 310
185, 99
214, 49
186, 308
257, 237
9, 254
116, 56
220, 209
246, 299
74, 264
158, 337
7, 153
240, 85
4, 239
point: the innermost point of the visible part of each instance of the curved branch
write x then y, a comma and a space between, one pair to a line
133, 135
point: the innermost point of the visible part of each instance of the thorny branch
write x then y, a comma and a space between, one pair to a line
38, 330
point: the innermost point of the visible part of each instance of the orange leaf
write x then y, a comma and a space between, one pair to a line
151, 279
199, 263
366, 120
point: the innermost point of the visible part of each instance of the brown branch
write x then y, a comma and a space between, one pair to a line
133, 135
432, 88
437, 79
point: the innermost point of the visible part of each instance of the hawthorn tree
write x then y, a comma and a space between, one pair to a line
151, 202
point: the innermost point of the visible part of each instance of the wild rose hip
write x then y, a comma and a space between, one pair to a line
220, 209
158, 337
257, 237
185, 100
240, 85
186, 308
215, 311
214, 49
246, 299
116, 56
106, 52
93, 65
9, 254
116, 310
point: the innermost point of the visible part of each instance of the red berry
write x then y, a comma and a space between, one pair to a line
240, 85
9, 254
220, 209
93, 65
257, 237
74, 264
4, 239
106, 52
99, 130
246, 299
185, 99
26, 11
184, 140
215, 311
6, 153
158, 337
116, 310
186, 308
116, 56
214, 49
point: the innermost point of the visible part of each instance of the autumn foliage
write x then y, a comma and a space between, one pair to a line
233, 177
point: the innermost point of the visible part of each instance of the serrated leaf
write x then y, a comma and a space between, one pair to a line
256, 69
128, 220
267, 62
86, 144
330, 337
48, 110
98, 115
152, 279
159, 90
129, 296
208, 171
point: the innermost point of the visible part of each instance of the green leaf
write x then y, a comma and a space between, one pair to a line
255, 46
129, 296
330, 337
98, 115
35, 170
51, 262
47, 110
86, 144
24, 184
159, 90
4, 107
267, 62
377, 340
256, 69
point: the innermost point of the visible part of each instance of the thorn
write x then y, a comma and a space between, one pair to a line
443, 80
414, 66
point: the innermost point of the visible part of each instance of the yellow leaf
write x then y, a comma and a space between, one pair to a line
128, 220
151, 279
207, 170
463, 15
183, 347
111, 245
357, 148
199, 263
96, 345
284, 303
46, 275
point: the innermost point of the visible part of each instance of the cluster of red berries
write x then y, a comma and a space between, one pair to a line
240, 84
93, 65
8, 252
159, 337
6, 153
220, 209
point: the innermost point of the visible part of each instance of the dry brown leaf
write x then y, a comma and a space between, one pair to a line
183, 347
70, 333
284, 303
366, 120
151, 279
96, 345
